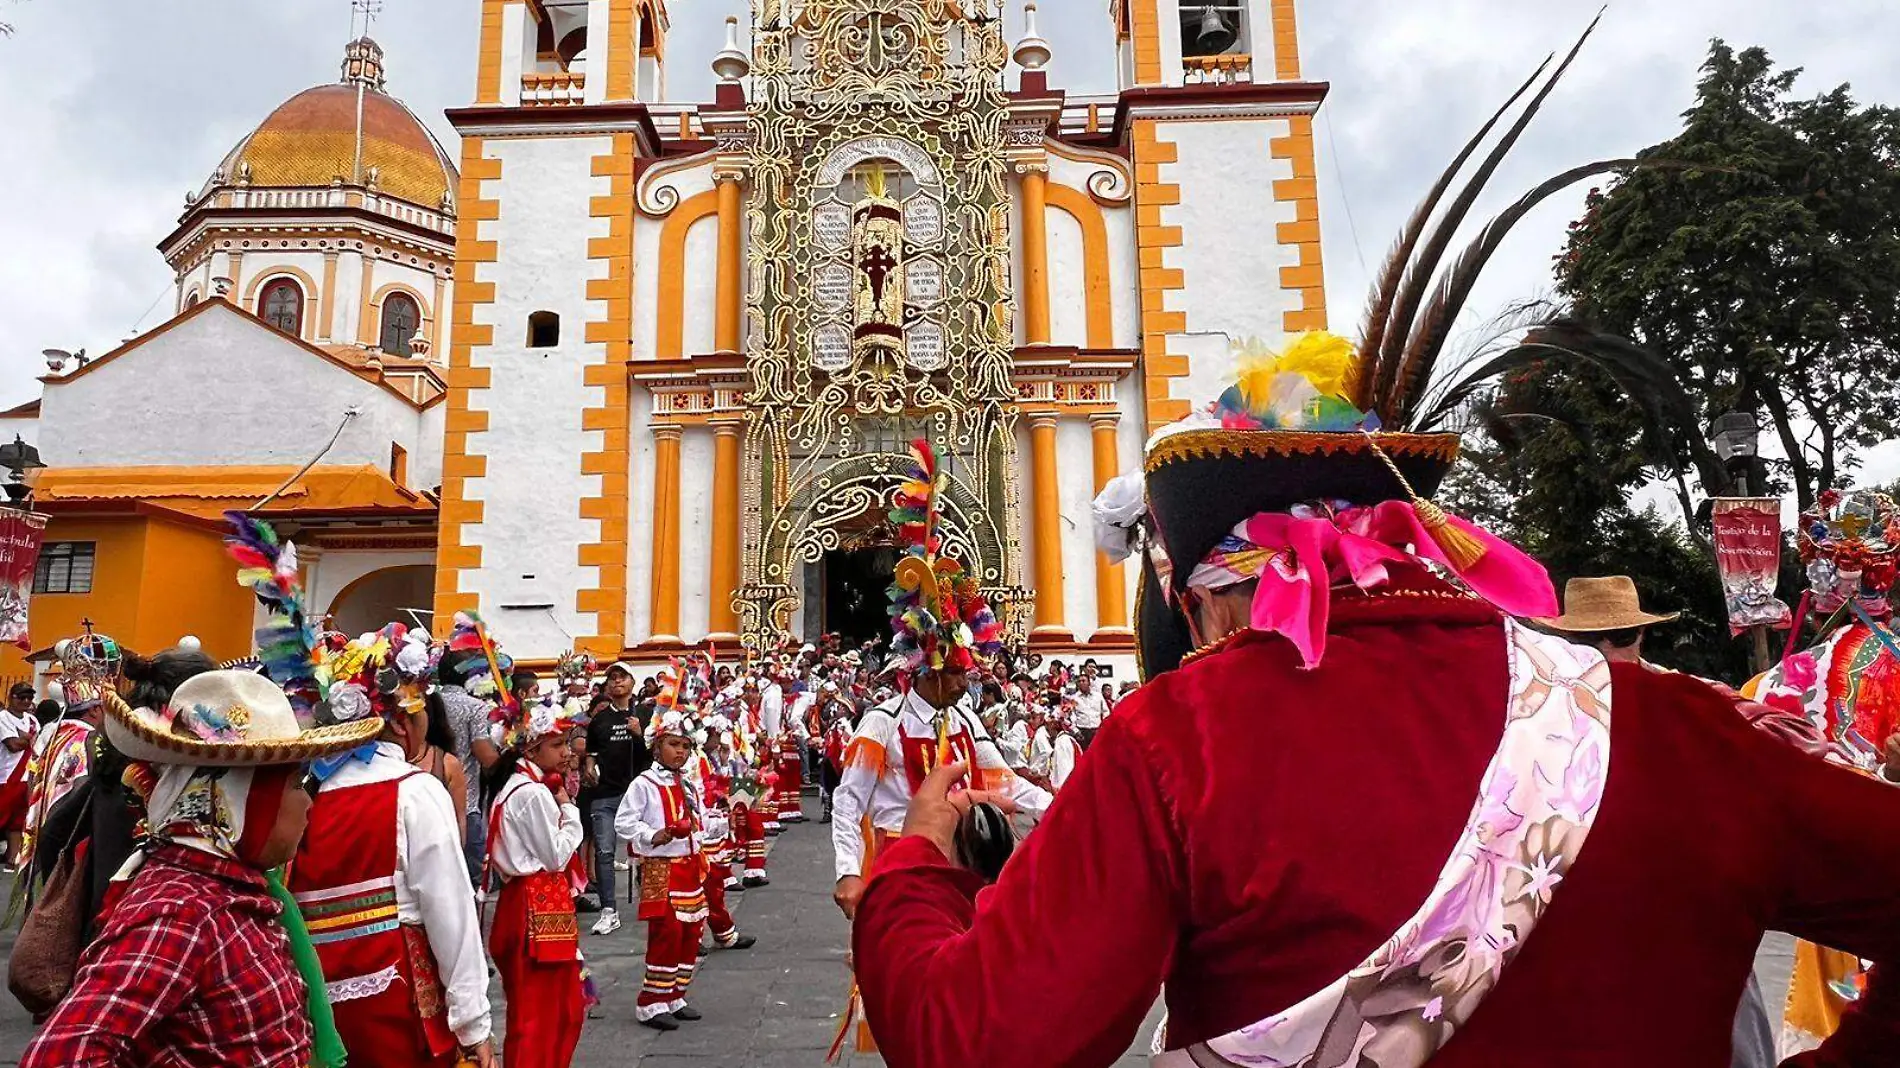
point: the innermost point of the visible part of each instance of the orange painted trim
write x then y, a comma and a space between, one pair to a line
326, 306
1158, 366
1035, 185
303, 280
623, 49
1308, 277
1286, 42
666, 534
670, 339
488, 63
1095, 266
724, 572
1145, 31
727, 300
608, 552
363, 294
1111, 588
461, 460
1046, 515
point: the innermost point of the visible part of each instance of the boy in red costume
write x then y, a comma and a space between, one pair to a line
660, 818
534, 831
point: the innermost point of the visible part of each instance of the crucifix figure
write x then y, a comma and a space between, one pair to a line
877, 246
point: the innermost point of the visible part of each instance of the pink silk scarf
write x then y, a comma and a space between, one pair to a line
1299, 556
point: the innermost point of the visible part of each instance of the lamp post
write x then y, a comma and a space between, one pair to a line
1737, 439
19, 457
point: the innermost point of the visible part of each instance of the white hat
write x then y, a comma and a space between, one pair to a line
228, 719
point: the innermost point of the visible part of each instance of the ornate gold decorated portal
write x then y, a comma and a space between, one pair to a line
879, 304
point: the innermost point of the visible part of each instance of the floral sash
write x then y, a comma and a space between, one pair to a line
1539, 798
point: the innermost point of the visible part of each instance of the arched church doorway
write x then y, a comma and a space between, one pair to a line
380, 597
854, 582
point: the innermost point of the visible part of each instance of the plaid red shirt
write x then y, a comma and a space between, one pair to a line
191, 970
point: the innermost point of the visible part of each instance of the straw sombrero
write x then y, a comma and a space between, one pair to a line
1594, 605
228, 719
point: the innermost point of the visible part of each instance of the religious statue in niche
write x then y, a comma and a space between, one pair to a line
877, 257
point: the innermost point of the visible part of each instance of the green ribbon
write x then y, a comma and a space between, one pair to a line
326, 1049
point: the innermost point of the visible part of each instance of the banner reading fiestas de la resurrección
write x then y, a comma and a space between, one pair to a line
1748, 557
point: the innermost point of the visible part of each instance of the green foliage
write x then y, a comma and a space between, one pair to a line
1770, 280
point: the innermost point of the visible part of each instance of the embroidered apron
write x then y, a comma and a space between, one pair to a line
1538, 801
547, 897
380, 974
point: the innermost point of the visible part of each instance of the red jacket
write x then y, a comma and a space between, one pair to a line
1249, 831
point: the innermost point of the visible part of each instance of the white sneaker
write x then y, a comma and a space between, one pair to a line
608, 923
621, 864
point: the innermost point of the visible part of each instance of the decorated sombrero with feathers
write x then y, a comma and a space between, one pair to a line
939, 618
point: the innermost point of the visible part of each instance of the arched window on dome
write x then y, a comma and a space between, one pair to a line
400, 319
283, 306
191, 300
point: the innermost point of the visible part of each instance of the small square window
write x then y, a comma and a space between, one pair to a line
64, 567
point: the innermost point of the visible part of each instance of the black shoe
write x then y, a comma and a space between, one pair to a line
826, 818
662, 1022
688, 1013
757, 880
702, 956
742, 942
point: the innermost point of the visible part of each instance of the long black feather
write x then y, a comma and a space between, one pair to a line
1420, 273
1379, 308
1435, 322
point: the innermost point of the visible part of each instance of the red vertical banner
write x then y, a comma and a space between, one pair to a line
20, 536
1748, 557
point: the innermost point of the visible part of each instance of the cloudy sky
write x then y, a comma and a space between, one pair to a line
113, 109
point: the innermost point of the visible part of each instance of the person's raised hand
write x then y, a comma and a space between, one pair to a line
937, 807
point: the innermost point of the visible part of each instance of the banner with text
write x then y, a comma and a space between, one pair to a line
1748, 556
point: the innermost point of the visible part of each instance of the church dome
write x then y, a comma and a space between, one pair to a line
320, 135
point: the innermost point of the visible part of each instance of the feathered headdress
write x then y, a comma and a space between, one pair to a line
574, 666
939, 617
481, 660
287, 641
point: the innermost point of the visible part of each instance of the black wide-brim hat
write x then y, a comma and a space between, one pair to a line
1202, 483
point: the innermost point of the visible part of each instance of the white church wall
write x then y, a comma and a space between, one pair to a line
701, 284
219, 388
695, 544
1231, 254
425, 460
531, 492
1068, 288
1123, 257
1075, 490
686, 184
640, 517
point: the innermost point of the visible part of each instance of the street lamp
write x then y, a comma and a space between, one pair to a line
19, 458
1737, 439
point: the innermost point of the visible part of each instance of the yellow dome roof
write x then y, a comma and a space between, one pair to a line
316, 137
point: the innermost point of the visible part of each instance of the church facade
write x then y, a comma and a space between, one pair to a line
689, 343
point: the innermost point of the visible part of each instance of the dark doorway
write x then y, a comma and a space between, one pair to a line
855, 583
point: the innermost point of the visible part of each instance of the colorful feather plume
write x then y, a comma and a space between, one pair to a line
939, 617
287, 640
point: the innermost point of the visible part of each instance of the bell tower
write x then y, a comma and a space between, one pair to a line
1219, 122
1199, 42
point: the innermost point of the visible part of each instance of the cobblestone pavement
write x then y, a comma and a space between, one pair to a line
773, 1006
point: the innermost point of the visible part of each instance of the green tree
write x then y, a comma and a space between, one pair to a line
1770, 280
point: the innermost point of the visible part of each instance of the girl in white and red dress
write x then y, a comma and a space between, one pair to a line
660, 817
534, 830
717, 840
